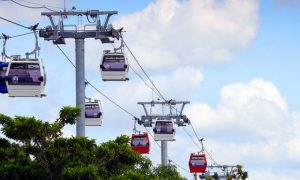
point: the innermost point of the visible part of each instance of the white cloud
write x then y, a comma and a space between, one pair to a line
293, 144
169, 33
252, 126
254, 109
294, 148
240, 94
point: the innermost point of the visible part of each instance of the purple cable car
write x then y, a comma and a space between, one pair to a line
3, 69
25, 78
164, 130
114, 66
93, 114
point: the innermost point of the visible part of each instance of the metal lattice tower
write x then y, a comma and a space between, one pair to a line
97, 30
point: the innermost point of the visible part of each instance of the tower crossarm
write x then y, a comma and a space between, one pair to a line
57, 32
180, 119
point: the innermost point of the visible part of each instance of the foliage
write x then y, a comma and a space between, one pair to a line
236, 173
33, 149
166, 172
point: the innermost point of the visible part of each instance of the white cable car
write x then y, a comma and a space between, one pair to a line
114, 66
25, 78
164, 130
93, 113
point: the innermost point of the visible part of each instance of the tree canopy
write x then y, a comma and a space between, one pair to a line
34, 149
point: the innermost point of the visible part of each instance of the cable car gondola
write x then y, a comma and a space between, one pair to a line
3, 69
114, 66
140, 143
25, 77
164, 130
197, 163
93, 114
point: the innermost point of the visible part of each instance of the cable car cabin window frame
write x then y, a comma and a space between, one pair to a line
144, 141
199, 159
32, 77
113, 59
170, 125
95, 107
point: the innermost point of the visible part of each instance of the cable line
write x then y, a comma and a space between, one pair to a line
66, 56
135, 72
117, 106
144, 81
144, 71
194, 131
45, 5
15, 23
203, 146
180, 166
190, 136
111, 100
31, 7
9, 37
210, 157
160, 95
94, 87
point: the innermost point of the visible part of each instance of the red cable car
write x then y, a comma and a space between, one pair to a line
140, 143
197, 163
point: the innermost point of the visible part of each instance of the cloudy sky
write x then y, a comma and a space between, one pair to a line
236, 61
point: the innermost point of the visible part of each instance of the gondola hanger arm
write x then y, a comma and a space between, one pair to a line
36, 48
5, 37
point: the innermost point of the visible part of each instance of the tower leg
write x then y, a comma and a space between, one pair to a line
164, 153
80, 86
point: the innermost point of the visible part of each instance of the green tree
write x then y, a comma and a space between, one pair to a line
33, 149
166, 172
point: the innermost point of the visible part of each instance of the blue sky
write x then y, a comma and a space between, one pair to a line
236, 61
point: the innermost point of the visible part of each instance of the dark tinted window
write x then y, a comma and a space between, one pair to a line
164, 127
92, 111
197, 161
114, 63
139, 141
24, 74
